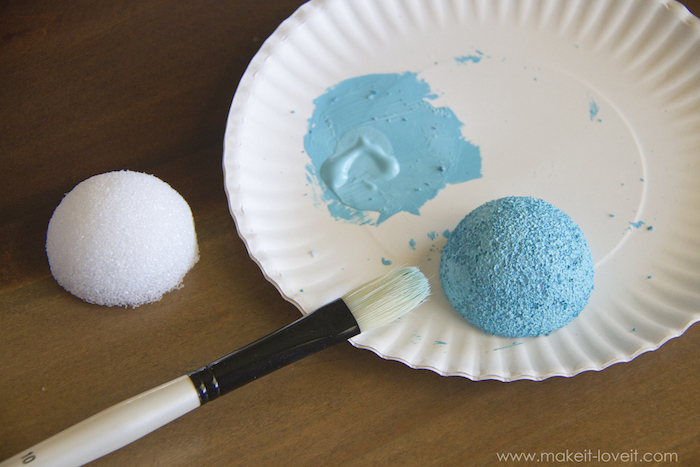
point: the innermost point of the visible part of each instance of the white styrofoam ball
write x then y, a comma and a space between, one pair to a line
121, 238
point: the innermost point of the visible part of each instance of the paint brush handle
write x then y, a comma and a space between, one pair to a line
112, 428
132, 419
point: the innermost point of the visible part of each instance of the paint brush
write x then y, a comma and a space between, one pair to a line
370, 306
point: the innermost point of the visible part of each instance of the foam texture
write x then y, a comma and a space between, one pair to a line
121, 238
517, 267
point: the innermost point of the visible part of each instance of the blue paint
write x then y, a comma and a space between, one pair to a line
309, 171
637, 224
386, 262
359, 145
470, 58
650, 228
377, 145
412, 244
432, 235
439, 343
446, 234
593, 109
509, 346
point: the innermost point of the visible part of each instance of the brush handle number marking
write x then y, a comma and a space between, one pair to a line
28, 457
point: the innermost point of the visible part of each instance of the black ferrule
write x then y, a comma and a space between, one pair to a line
314, 332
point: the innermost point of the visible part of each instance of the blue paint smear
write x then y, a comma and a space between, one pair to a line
470, 58
593, 109
432, 235
509, 346
369, 126
412, 244
637, 224
386, 262
446, 234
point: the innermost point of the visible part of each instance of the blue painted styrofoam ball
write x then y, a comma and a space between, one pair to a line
517, 267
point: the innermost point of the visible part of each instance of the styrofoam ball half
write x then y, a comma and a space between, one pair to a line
121, 239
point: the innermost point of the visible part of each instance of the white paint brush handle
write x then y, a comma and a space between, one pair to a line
132, 419
112, 428
376, 303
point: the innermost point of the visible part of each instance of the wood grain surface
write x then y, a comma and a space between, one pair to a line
88, 87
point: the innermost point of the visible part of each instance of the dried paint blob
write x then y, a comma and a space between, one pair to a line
517, 267
121, 238
377, 145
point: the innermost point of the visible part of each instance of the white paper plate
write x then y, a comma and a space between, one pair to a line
592, 105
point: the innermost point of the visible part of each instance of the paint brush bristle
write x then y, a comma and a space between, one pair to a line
387, 298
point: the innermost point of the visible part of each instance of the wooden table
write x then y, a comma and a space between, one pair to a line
88, 87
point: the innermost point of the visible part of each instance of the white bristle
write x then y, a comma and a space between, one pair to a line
388, 297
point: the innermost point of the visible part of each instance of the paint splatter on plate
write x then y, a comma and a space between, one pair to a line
592, 106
